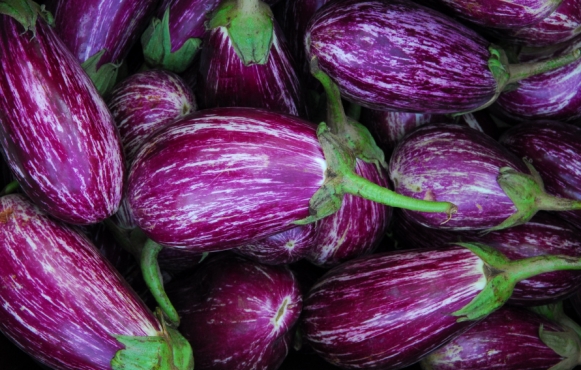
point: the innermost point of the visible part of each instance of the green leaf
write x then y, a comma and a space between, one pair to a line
103, 78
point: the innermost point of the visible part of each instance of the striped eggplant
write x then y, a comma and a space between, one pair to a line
57, 134
543, 234
502, 14
238, 314
560, 26
398, 55
509, 339
100, 33
225, 80
388, 311
492, 188
555, 150
67, 306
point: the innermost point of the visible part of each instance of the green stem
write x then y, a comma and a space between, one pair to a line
357, 185
521, 71
10, 188
528, 267
154, 280
336, 118
354, 111
248, 6
548, 202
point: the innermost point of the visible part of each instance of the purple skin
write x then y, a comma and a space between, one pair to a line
63, 316
387, 311
238, 314
355, 229
554, 95
560, 26
226, 82
508, 339
67, 156
286, 247
223, 177
503, 14
555, 151
89, 26
457, 164
544, 234
397, 55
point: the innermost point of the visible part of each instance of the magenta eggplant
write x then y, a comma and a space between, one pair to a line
226, 82
508, 339
57, 134
223, 177
397, 55
65, 305
238, 314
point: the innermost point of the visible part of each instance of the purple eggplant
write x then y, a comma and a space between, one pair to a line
100, 33
225, 81
67, 306
398, 55
388, 311
57, 134
554, 148
492, 188
509, 339
543, 234
238, 314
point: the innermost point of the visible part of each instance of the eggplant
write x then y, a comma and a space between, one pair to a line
388, 311
492, 188
67, 306
554, 148
510, 338
545, 233
401, 56
100, 33
238, 314
57, 134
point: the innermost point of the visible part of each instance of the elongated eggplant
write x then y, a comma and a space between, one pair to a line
238, 314
545, 233
388, 311
101, 32
492, 188
398, 55
67, 306
57, 134
510, 338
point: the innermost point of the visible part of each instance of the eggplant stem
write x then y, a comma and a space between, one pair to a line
528, 267
524, 70
336, 118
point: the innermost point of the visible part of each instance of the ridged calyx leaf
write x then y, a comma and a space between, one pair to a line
566, 344
104, 77
26, 12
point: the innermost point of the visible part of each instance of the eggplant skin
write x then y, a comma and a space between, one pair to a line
57, 134
508, 339
397, 55
62, 315
387, 311
224, 177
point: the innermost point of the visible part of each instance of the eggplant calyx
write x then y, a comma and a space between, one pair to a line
341, 179
157, 47
250, 27
26, 13
10, 188
566, 344
104, 76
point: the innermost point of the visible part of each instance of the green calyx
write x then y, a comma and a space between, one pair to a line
156, 43
26, 12
527, 192
566, 344
170, 350
250, 27
502, 275
10, 188
103, 78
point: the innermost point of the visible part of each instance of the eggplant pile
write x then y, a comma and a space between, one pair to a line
291, 184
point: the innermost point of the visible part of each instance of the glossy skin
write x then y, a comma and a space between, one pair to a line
507, 339
220, 178
226, 82
387, 311
64, 316
544, 234
397, 55
238, 314
89, 26
57, 134
555, 149
456, 164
